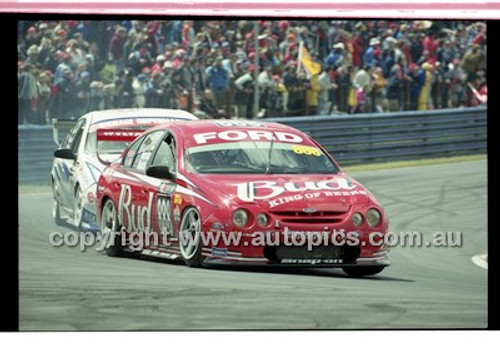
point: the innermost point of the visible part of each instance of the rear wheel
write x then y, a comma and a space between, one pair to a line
190, 237
363, 271
110, 238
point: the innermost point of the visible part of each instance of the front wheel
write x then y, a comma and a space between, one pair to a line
363, 271
190, 242
78, 209
56, 210
110, 238
55, 213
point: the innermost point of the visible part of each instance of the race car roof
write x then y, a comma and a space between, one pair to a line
115, 114
194, 132
224, 124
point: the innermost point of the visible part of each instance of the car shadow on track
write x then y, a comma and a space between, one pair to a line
317, 272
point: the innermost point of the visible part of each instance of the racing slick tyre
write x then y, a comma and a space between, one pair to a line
363, 271
109, 228
78, 209
190, 242
56, 213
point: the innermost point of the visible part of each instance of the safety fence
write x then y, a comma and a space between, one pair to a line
351, 139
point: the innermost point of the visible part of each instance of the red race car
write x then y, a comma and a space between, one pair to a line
222, 192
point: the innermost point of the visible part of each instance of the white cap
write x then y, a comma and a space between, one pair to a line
339, 45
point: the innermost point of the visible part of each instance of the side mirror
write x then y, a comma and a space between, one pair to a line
160, 172
64, 154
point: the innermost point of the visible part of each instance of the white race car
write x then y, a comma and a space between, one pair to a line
96, 139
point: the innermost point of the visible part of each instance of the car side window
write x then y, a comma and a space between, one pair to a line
146, 150
165, 155
128, 159
74, 135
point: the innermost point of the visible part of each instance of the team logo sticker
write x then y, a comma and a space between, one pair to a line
177, 199
177, 214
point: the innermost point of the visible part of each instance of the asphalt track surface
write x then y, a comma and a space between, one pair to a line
428, 287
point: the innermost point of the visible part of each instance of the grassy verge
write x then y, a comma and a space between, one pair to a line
413, 163
26, 189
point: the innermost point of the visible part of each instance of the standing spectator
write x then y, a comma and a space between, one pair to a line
326, 85
66, 95
266, 84
128, 89
395, 84
27, 94
32, 56
244, 90
52, 60
343, 82
207, 105
82, 90
44, 95
417, 75
362, 82
457, 79
336, 56
32, 37
379, 90
372, 52
471, 60
424, 98
44, 50
218, 82
113, 94
116, 46
312, 95
140, 86
96, 96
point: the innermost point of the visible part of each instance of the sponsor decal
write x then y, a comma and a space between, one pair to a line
177, 214
117, 135
217, 226
163, 188
306, 150
239, 123
63, 168
219, 252
259, 190
138, 217
163, 209
94, 171
240, 135
300, 197
312, 261
157, 253
88, 216
177, 199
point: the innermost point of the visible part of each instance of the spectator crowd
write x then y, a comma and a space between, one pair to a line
68, 67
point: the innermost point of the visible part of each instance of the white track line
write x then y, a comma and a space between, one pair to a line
481, 260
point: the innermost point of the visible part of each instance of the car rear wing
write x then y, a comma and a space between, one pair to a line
118, 135
61, 127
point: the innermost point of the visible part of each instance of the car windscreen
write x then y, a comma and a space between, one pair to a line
258, 158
